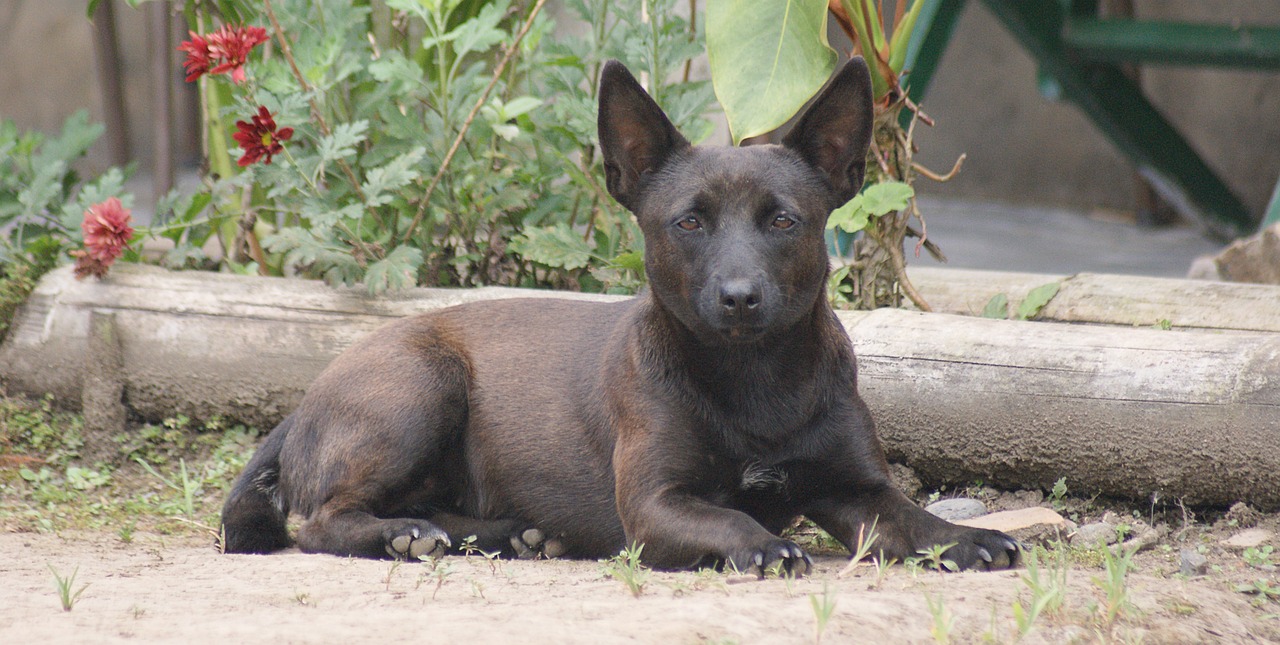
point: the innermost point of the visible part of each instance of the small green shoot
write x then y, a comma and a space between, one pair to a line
627, 569
1164, 324
883, 566
1047, 582
1057, 493
824, 607
862, 548
391, 571
931, 558
66, 595
187, 487
1262, 589
943, 619
1259, 557
1114, 585
441, 571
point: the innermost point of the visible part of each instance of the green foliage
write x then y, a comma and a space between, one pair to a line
943, 620
997, 307
767, 59
1262, 590
42, 203
415, 162
874, 201
1259, 557
68, 595
1057, 493
1036, 300
1046, 580
42, 197
48, 486
824, 607
1114, 585
627, 569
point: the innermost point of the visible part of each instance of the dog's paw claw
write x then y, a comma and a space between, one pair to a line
782, 557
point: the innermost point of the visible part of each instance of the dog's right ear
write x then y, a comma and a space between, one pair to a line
635, 136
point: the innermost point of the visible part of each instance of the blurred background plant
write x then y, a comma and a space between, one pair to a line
762, 87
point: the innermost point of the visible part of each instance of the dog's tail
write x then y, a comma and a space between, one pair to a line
253, 519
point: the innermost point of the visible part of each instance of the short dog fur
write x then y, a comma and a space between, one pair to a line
700, 418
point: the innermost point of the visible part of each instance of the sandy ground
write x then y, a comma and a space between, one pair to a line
178, 589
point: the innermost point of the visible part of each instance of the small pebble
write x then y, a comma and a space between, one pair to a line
960, 508
1194, 563
1096, 534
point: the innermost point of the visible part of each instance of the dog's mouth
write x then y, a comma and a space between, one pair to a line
743, 333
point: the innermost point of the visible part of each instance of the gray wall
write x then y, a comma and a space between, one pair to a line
1022, 148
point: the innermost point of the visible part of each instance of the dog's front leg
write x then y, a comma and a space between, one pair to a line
848, 489
661, 492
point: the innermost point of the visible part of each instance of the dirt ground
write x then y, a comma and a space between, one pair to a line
159, 588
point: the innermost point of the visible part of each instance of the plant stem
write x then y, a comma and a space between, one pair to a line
466, 124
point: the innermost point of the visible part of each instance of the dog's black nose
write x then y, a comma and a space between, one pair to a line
739, 296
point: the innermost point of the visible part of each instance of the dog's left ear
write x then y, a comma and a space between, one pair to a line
834, 133
635, 136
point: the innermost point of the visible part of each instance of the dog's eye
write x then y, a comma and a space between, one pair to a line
783, 221
689, 223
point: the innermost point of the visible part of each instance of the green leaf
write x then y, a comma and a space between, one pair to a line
342, 141
518, 106
886, 197
902, 33
481, 33
631, 260
397, 173
997, 307
397, 70
1036, 300
554, 246
851, 217
767, 59
44, 187
78, 134
399, 270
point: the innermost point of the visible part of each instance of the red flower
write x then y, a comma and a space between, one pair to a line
260, 138
197, 62
106, 232
222, 51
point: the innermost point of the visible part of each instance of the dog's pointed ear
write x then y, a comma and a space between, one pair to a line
635, 136
834, 133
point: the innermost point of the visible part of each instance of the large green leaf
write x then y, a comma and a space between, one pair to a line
767, 57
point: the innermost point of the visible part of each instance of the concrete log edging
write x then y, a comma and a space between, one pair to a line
1123, 411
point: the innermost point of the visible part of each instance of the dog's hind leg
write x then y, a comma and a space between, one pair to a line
376, 446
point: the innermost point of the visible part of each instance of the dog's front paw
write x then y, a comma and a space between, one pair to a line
777, 555
981, 549
414, 540
532, 543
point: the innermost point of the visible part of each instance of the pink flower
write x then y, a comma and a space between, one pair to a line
260, 138
106, 233
222, 51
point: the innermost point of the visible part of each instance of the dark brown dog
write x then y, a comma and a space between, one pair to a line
700, 418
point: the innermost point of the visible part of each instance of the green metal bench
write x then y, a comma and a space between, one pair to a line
1079, 57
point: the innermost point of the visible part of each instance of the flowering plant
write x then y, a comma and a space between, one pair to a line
406, 142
